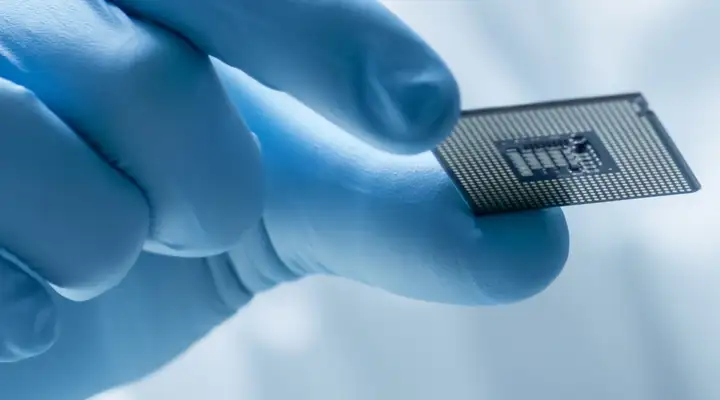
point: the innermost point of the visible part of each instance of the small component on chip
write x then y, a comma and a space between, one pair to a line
562, 153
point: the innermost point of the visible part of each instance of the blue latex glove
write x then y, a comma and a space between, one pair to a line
120, 148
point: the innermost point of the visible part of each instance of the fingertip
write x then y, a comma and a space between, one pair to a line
409, 98
523, 253
412, 105
28, 315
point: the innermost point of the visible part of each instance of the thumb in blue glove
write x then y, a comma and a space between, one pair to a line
338, 206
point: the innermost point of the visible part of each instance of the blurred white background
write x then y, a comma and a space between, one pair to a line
634, 315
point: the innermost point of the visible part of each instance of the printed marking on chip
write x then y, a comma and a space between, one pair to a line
562, 153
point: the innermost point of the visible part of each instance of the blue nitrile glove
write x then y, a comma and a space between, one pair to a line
117, 136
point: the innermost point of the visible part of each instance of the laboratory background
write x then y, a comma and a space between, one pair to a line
635, 314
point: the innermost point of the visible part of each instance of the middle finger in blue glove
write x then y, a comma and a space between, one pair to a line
68, 216
151, 105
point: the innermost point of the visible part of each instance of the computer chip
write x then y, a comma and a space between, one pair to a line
563, 153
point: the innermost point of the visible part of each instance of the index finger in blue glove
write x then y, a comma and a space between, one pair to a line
352, 61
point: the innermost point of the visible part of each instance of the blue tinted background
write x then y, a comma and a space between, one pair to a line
634, 315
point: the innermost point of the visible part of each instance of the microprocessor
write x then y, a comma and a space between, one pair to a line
563, 153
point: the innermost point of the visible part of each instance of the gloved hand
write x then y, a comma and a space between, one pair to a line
121, 147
